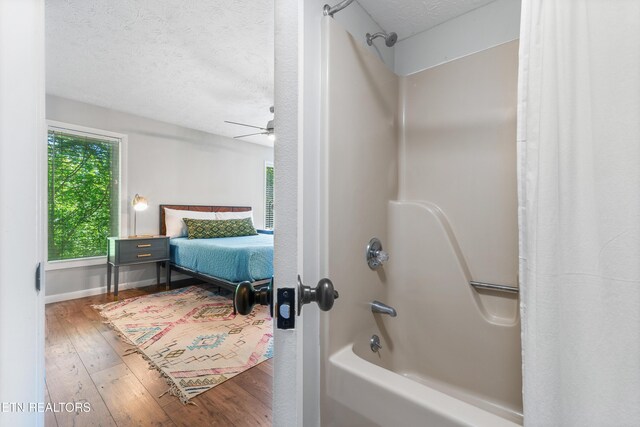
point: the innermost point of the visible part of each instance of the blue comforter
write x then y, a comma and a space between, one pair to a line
234, 259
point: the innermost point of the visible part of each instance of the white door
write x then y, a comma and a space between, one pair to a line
22, 156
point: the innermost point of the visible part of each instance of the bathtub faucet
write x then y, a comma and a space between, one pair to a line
379, 307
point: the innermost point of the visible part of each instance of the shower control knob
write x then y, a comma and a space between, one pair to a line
382, 256
375, 256
323, 294
246, 297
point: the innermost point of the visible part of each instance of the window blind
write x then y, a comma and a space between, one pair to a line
268, 221
83, 194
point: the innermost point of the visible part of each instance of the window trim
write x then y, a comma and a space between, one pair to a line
267, 164
122, 203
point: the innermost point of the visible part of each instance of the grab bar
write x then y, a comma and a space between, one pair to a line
494, 287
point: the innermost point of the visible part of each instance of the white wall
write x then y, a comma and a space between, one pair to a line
482, 28
168, 164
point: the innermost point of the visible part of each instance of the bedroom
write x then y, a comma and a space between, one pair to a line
137, 105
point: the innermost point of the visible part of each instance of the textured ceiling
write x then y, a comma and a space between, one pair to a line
409, 17
193, 63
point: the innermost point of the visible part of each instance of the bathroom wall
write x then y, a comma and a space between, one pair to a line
458, 151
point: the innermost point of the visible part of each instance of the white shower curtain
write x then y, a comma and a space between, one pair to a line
579, 209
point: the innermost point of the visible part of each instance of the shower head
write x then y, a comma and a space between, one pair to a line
389, 39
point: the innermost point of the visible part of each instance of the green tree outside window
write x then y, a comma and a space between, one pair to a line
268, 221
83, 188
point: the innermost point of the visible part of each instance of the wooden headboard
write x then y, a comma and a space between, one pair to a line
199, 208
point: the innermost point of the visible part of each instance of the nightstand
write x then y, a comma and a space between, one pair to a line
136, 250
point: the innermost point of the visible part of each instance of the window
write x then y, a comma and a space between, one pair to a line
83, 192
268, 196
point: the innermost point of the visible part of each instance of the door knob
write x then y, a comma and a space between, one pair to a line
323, 294
246, 296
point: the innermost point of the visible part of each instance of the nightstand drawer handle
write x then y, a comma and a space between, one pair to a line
143, 255
148, 245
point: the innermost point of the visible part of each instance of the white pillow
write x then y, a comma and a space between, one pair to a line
235, 215
175, 226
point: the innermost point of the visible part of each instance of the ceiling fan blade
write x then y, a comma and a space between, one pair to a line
251, 134
243, 124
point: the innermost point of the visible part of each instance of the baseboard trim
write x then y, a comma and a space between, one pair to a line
48, 299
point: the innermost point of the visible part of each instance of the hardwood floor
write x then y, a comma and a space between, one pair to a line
85, 362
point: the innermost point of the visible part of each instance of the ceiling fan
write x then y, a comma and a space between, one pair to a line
268, 130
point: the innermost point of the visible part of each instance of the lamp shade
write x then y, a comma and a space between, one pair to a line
139, 203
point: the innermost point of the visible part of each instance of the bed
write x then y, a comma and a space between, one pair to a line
224, 262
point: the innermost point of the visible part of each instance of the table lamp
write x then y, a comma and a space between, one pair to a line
139, 203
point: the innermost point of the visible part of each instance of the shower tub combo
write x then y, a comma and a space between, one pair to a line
430, 162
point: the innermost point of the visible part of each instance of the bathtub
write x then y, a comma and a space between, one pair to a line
386, 398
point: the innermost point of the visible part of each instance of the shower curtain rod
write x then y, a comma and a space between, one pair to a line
330, 10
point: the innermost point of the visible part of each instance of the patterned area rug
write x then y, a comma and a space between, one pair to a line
192, 336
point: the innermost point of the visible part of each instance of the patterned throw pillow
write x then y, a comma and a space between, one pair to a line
211, 228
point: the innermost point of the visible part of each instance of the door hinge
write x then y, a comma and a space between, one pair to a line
38, 276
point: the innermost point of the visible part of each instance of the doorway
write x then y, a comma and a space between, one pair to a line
147, 115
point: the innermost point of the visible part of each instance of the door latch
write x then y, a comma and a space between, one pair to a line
286, 312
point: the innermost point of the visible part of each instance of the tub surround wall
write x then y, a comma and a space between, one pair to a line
355, 20
456, 333
428, 286
360, 160
360, 176
458, 151
427, 164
